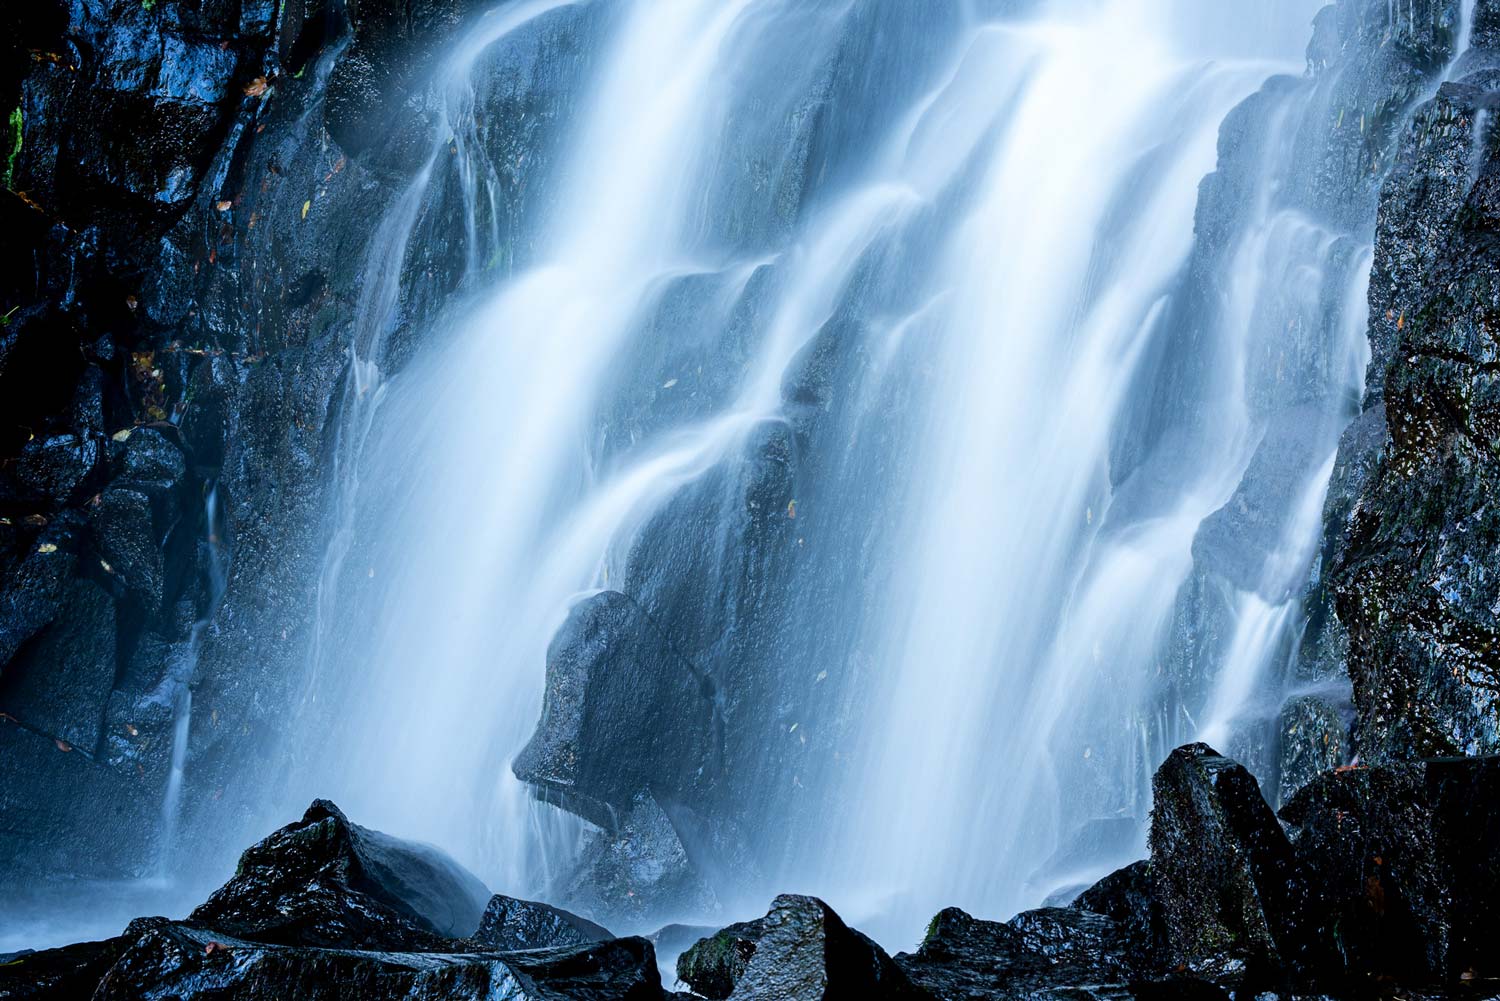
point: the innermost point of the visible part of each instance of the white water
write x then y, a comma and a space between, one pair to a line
1007, 487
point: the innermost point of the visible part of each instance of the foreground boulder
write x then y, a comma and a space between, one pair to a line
326, 909
509, 923
324, 881
156, 958
1222, 869
1404, 864
801, 949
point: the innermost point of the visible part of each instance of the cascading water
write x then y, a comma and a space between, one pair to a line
937, 267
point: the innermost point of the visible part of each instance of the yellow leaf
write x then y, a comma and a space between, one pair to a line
791, 509
47, 547
305, 206
121, 435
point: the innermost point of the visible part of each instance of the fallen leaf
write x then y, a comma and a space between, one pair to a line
821, 676
213, 947
256, 87
305, 206
62, 745
132, 730
791, 509
121, 435
47, 547
225, 205
669, 384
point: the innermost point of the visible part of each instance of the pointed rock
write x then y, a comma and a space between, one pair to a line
324, 881
509, 923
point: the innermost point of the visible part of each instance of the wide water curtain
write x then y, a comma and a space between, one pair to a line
897, 360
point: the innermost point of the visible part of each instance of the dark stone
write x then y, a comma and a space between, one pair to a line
1222, 869
54, 470
716, 962
60, 682
1048, 952
1314, 739
631, 873
324, 881
37, 584
128, 543
70, 972
509, 923
805, 951
1402, 861
173, 960
1126, 896
622, 711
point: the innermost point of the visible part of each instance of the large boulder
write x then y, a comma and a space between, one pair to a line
1222, 869
509, 923
800, 950
324, 881
1403, 863
622, 712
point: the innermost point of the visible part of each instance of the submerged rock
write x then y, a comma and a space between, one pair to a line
509, 923
324, 881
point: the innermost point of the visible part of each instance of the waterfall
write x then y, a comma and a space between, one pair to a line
948, 274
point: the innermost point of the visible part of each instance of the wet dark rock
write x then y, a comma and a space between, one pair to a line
622, 711
1401, 861
324, 881
1314, 739
72, 971
1128, 898
172, 960
1043, 953
59, 683
53, 470
716, 962
629, 874
509, 923
38, 583
1413, 586
1222, 869
128, 543
803, 951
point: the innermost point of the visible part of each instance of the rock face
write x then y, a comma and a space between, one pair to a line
1413, 577
324, 881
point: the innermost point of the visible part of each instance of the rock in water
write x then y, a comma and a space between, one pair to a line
324, 881
800, 950
1222, 869
623, 712
509, 923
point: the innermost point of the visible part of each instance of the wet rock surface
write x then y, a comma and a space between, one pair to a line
509, 923
324, 908
1380, 884
324, 881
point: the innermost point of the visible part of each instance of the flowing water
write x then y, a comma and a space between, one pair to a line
937, 260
